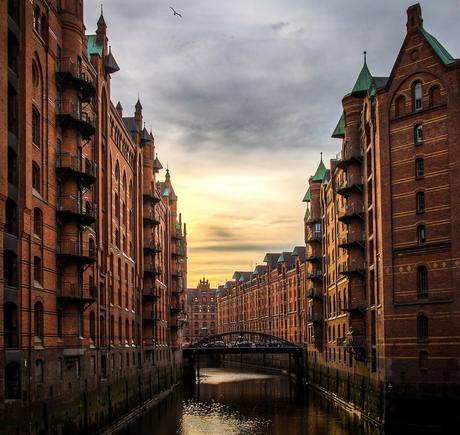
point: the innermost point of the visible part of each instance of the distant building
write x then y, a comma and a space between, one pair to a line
201, 312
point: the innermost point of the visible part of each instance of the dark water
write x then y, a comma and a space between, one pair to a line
234, 402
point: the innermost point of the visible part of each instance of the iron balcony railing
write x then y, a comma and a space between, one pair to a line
71, 204
314, 236
76, 248
72, 290
151, 216
150, 245
77, 164
352, 266
353, 304
357, 237
69, 70
152, 268
315, 317
314, 293
351, 209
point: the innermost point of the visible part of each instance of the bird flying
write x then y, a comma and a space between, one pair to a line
175, 13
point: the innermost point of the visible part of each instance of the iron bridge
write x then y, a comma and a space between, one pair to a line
241, 342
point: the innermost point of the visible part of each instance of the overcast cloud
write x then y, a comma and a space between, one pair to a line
242, 95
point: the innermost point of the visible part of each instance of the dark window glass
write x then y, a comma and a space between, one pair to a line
418, 134
417, 96
422, 281
419, 168
421, 234
420, 200
35, 127
422, 327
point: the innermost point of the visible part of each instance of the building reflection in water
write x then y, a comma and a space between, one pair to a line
233, 403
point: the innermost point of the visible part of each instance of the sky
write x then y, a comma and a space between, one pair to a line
242, 97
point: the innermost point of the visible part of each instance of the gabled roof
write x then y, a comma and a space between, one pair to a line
286, 259
307, 197
438, 48
92, 46
319, 174
339, 131
130, 123
301, 252
260, 269
271, 258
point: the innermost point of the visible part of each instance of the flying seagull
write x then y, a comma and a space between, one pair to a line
175, 13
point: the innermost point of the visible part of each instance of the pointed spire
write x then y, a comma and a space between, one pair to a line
364, 81
101, 25
319, 174
138, 104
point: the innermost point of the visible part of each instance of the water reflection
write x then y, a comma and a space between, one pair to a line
233, 402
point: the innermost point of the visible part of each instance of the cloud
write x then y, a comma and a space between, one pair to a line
243, 95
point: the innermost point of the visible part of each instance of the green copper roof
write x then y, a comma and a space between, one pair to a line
93, 46
339, 131
281, 259
364, 81
319, 174
307, 197
307, 214
443, 54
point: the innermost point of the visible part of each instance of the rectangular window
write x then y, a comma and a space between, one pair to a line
419, 168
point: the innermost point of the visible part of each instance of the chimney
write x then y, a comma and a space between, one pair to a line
414, 18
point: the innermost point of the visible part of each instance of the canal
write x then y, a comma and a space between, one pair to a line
231, 401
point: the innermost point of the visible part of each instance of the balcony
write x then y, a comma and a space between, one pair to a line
84, 169
354, 305
85, 253
315, 318
349, 156
314, 293
150, 316
352, 183
69, 72
357, 345
314, 237
350, 212
314, 258
151, 246
77, 293
151, 292
152, 269
352, 267
150, 194
151, 217
71, 207
69, 113
315, 274
353, 239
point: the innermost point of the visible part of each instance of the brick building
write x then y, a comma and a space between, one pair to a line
378, 304
93, 249
201, 303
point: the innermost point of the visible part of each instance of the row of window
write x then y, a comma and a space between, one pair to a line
434, 99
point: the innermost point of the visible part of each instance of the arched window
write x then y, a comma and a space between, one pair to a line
35, 74
127, 331
10, 325
11, 217
44, 27
420, 202
38, 223
133, 331
12, 167
38, 320
39, 375
117, 173
421, 234
112, 329
36, 140
102, 331
92, 247
124, 186
60, 369
417, 96
103, 366
400, 106
418, 134
422, 326
37, 19
60, 320
419, 168
435, 96
120, 331
36, 177
37, 270
13, 381
117, 206
10, 268
422, 281
92, 326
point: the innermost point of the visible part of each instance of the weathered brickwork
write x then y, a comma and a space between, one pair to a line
93, 249
378, 306
201, 311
